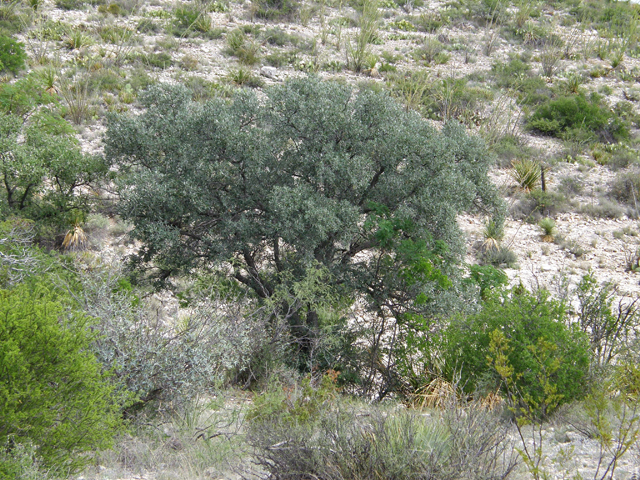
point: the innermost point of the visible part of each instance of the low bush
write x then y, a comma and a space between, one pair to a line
625, 188
246, 49
275, 9
606, 208
510, 147
455, 98
48, 179
277, 36
162, 358
307, 432
537, 204
70, 4
190, 21
578, 117
538, 336
608, 322
509, 75
12, 55
499, 257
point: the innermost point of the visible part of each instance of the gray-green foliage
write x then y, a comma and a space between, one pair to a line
608, 323
306, 432
267, 189
167, 356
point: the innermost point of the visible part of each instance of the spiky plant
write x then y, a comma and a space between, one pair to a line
526, 173
493, 233
75, 239
548, 227
49, 77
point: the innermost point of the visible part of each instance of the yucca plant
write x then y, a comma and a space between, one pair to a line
75, 239
632, 261
77, 39
493, 233
49, 77
548, 227
526, 173
573, 82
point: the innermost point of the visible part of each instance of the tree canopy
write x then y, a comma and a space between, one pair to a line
315, 174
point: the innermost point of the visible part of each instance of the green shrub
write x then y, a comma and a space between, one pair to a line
280, 59
70, 4
578, 117
548, 227
49, 179
52, 389
275, 9
189, 20
454, 98
533, 90
526, 320
508, 75
239, 44
159, 60
148, 26
606, 208
20, 461
608, 322
12, 55
277, 36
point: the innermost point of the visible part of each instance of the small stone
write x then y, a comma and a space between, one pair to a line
269, 72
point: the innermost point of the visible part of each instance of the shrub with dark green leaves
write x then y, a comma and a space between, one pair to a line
12, 55
578, 117
53, 391
525, 319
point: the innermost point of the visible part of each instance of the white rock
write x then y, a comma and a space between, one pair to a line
269, 72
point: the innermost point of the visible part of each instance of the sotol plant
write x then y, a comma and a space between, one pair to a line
526, 173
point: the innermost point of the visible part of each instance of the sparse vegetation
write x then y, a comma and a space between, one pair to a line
240, 271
